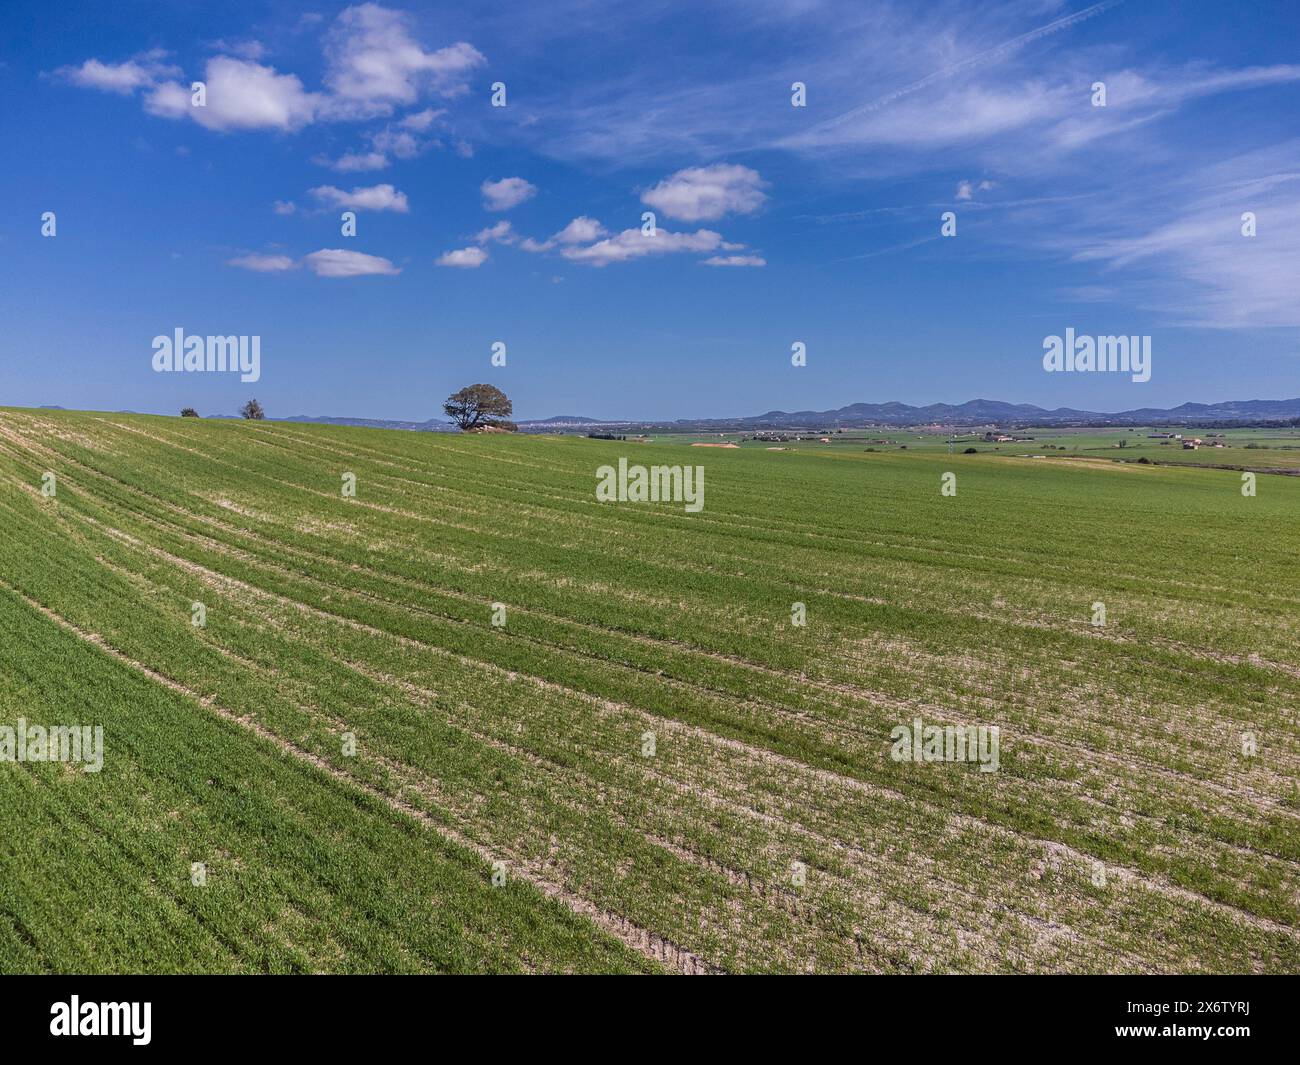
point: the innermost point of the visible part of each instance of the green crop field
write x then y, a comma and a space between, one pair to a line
473, 719
1243, 449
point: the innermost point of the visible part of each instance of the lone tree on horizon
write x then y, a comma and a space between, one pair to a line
478, 407
252, 411
189, 412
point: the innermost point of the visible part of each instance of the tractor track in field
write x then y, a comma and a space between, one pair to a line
1081, 859
726, 521
761, 753
803, 908
1036, 620
942, 714
828, 685
647, 943
942, 549
1060, 849
936, 712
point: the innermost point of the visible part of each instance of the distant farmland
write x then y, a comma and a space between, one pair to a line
645, 765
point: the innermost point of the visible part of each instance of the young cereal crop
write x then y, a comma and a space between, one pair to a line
470, 717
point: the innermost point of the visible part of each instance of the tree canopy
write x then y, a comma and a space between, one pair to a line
252, 410
479, 406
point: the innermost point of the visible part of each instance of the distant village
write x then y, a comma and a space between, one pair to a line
1191, 443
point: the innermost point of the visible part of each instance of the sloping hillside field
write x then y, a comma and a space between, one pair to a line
472, 718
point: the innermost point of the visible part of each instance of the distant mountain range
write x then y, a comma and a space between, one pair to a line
982, 411
974, 412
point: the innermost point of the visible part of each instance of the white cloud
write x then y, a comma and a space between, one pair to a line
395, 141
168, 99
704, 193
398, 143
240, 95
581, 230
353, 162
374, 198
374, 63
465, 258
285, 207
735, 260
506, 193
335, 262
137, 72
420, 121
262, 264
966, 189
243, 49
634, 244
502, 233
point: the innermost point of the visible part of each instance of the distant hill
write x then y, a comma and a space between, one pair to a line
980, 411
992, 411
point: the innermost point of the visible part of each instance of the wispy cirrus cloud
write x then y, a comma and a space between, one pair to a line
1193, 261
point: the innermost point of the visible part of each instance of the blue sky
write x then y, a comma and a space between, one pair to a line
521, 223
